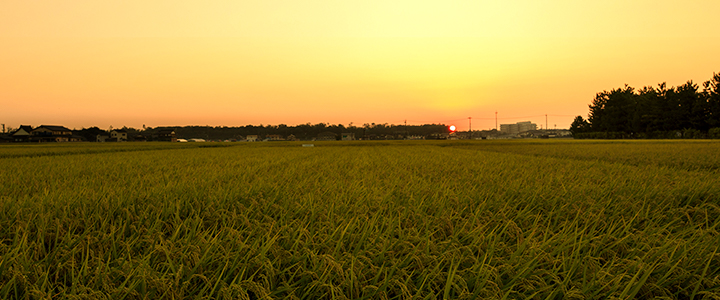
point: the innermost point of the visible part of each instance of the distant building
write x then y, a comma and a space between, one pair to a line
22, 134
526, 126
53, 133
517, 127
251, 138
509, 128
326, 136
348, 136
274, 137
166, 135
118, 135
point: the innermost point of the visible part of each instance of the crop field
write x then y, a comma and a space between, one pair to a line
526, 219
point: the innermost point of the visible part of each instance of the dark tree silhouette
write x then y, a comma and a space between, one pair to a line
579, 125
653, 112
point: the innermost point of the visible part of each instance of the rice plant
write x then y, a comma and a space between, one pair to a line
362, 220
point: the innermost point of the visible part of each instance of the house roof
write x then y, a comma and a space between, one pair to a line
53, 128
26, 128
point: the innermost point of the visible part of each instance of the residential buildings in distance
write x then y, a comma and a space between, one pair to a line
43, 133
116, 135
54, 133
517, 127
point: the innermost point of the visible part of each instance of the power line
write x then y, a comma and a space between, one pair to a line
496, 118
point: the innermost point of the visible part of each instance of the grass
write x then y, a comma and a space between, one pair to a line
60, 149
388, 220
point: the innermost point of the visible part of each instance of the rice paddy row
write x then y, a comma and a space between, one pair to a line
383, 221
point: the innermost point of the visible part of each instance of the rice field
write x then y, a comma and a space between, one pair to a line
361, 220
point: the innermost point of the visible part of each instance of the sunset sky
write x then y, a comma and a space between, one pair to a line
232, 63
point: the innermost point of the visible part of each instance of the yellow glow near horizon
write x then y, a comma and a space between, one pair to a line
276, 61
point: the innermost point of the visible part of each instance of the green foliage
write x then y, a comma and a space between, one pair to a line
714, 133
693, 134
373, 220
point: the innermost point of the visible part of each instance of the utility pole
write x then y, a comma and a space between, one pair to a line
406, 131
546, 127
496, 120
470, 130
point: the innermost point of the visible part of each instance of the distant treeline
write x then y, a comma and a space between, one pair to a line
654, 112
302, 132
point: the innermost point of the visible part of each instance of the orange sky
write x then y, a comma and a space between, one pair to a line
232, 63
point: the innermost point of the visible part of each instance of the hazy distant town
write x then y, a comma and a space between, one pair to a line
252, 133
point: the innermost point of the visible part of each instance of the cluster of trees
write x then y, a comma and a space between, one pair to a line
303, 132
307, 131
654, 112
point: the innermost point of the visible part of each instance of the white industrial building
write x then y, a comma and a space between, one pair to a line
517, 127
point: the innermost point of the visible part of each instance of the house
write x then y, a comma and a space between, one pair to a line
166, 135
274, 137
51, 130
347, 136
43, 133
326, 136
22, 134
119, 135
52, 133
251, 138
